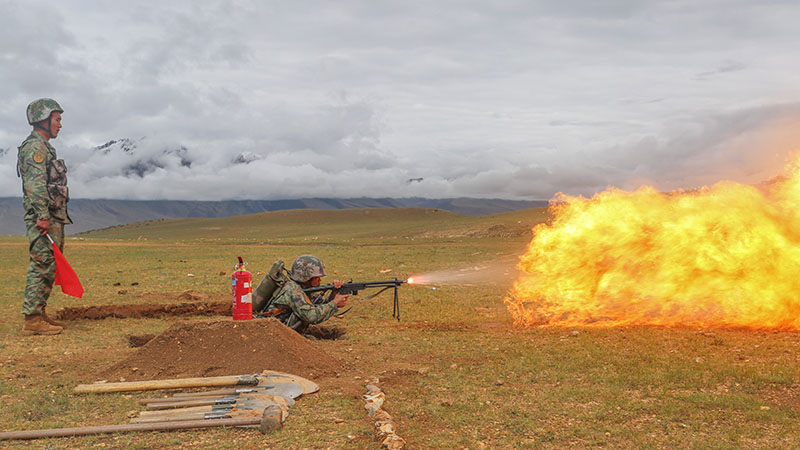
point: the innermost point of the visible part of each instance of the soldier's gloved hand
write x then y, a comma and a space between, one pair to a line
341, 300
337, 284
43, 226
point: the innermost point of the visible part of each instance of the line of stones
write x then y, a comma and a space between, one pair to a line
384, 425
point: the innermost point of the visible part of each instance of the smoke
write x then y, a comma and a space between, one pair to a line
502, 271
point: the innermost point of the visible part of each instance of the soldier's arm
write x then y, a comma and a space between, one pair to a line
33, 170
307, 312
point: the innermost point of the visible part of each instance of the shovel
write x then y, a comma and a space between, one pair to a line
264, 379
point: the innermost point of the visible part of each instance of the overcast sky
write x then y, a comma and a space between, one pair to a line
511, 99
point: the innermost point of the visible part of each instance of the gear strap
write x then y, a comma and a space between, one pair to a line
275, 312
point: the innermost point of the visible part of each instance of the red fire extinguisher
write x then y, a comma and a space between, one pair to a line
242, 292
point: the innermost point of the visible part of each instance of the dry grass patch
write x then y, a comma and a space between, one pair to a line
455, 372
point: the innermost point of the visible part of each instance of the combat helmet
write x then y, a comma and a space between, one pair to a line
307, 267
41, 109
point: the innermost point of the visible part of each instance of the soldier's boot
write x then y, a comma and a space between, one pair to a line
35, 325
51, 321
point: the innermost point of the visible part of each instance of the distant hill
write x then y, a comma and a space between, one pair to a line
328, 227
91, 214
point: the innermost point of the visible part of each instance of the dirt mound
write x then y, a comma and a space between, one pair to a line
224, 347
145, 310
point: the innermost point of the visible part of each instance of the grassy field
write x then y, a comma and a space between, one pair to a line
456, 373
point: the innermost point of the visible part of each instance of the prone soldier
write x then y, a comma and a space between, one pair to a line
288, 303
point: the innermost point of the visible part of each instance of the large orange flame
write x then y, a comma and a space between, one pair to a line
724, 256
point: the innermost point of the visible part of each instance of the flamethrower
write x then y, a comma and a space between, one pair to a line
352, 288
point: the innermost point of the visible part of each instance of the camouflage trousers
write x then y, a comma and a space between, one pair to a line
42, 270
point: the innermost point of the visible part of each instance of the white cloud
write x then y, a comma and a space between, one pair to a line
354, 98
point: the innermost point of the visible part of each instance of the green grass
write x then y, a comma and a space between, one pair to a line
456, 373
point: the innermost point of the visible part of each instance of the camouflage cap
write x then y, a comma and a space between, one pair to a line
307, 267
41, 109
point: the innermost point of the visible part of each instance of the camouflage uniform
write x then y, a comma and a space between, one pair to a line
292, 306
45, 197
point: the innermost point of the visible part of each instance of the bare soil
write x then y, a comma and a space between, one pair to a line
145, 310
225, 347
138, 340
319, 332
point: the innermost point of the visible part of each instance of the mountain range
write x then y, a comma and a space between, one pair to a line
91, 214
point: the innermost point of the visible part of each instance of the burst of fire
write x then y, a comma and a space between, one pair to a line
724, 256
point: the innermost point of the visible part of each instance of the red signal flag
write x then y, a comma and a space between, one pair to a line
65, 276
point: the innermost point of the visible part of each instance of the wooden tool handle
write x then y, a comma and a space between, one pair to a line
164, 426
211, 416
177, 411
128, 386
187, 403
243, 404
172, 418
218, 392
176, 398
221, 401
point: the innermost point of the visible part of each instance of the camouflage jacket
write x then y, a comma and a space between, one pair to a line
298, 309
44, 180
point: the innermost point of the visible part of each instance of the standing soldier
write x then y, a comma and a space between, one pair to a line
45, 197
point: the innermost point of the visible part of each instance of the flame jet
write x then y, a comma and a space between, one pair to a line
723, 256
